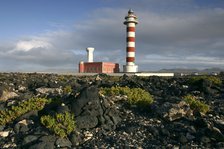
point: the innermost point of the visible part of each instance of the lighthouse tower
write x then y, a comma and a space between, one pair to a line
130, 22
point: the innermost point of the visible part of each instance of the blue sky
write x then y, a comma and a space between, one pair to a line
36, 16
52, 34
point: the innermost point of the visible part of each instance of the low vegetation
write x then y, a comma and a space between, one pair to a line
62, 124
135, 96
8, 115
67, 89
196, 104
213, 79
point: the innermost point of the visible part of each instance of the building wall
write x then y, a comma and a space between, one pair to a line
95, 67
81, 67
110, 68
99, 67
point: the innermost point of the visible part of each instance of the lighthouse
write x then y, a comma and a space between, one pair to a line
130, 22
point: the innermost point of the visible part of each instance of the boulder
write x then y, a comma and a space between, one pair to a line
45, 142
165, 132
63, 143
215, 133
98, 78
53, 84
22, 88
62, 108
76, 138
86, 121
183, 139
5, 95
91, 110
26, 95
10, 145
42, 145
22, 126
29, 115
201, 123
86, 96
220, 124
176, 111
29, 139
4, 133
47, 91
203, 85
205, 139
87, 136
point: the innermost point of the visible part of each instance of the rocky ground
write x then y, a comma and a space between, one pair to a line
110, 122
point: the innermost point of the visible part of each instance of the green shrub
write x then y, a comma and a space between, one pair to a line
114, 78
213, 79
195, 104
14, 112
67, 89
61, 78
136, 96
62, 124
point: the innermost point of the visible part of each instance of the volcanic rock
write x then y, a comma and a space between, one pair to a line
90, 110
183, 139
110, 122
62, 108
216, 134
29, 116
76, 138
29, 139
22, 88
173, 112
45, 142
47, 91
4, 133
7, 95
63, 142
205, 139
22, 126
87, 121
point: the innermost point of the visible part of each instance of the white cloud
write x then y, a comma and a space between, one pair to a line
32, 44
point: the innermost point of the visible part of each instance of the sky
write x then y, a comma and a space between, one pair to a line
37, 35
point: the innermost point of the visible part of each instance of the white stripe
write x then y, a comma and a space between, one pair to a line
130, 44
130, 54
130, 34
131, 24
130, 19
130, 63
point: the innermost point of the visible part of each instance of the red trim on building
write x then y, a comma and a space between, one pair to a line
130, 39
130, 29
130, 59
81, 67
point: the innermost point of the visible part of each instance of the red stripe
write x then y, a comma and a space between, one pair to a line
130, 39
130, 29
130, 49
130, 59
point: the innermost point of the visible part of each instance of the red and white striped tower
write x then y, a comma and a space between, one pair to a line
130, 22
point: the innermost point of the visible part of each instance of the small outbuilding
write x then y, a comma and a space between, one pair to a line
97, 67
